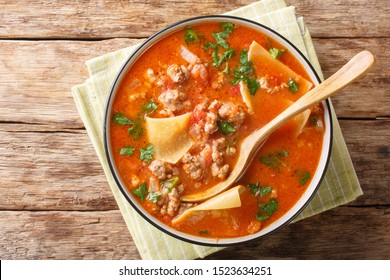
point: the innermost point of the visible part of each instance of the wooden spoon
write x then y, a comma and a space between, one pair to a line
351, 71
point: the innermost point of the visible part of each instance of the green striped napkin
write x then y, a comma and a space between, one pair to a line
339, 186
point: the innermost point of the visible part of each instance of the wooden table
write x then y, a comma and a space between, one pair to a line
55, 202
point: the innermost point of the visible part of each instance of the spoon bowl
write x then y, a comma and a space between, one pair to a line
351, 71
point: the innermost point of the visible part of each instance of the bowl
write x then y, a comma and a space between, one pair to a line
316, 177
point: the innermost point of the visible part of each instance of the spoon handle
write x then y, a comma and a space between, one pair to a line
351, 71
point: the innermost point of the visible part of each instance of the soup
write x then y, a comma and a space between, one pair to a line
183, 110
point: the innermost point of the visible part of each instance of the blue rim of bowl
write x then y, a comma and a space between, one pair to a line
124, 190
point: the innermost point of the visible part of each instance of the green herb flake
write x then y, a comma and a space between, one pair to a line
276, 53
220, 39
121, 119
147, 153
244, 72
256, 189
227, 26
153, 196
170, 184
266, 210
226, 127
253, 86
203, 232
274, 160
292, 85
127, 151
303, 176
149, 107
136, 130
140, 192
313, 120
191, 36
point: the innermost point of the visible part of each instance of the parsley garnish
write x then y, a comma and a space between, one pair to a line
303, 176
225, 127
127, 151
266, 210
313, 120
153, 197
219, 59
149, 107
191, 36
121, 119
276, 53
203, 232
274, 159
292, 85
147, 153
243, 73
169, 184
136, 130
256, 189
140, 192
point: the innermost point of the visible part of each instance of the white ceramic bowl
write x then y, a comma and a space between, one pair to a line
316, 179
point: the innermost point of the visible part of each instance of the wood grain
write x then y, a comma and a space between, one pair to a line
136, 19
335, 234
36, 88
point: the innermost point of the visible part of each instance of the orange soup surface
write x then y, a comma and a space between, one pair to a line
212, 85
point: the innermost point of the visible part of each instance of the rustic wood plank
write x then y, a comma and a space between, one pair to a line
65, 235
111, 18
341, 233
59, 170
44, 170
37, 77
335, 234
345, 18
356, 100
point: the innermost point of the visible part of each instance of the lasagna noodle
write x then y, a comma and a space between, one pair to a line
169, 137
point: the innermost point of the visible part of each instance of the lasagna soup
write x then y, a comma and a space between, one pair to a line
183, 110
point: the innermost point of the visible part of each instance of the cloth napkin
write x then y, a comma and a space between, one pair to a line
339, 186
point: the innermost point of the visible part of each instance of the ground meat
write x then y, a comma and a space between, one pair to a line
173, 99
218, 148
194, 166
219, 171
178, 74
162, 170
173, 202
231, 113
211, 124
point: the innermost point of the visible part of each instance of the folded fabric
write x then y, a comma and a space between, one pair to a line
339, 186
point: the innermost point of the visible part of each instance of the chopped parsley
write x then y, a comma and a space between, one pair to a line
169, 184
136, 130
153, 197
256, 189
140, 192
149, 107
276, 53
274, 160
121, 119
226, 127
303, 176
147, 153
313, 120
127, 151
203, 232
292, 85
191, 35
266, 210
244, 72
